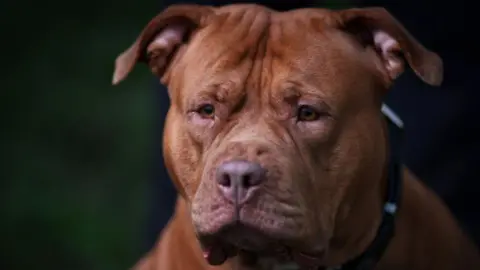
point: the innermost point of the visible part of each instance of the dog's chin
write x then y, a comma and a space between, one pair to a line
239, 239
239, 236
244, 231
250, 242
252, 246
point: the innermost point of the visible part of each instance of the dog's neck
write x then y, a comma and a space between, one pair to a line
416, 222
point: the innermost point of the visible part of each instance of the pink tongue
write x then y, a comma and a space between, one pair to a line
215, 255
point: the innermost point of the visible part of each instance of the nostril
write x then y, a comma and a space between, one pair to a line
246, 181
254, 177
225, 181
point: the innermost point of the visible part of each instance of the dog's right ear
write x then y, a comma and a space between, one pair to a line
390, 39
159, 40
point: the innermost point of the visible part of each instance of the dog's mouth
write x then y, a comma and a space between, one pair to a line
235, 239
218, 254
252, 246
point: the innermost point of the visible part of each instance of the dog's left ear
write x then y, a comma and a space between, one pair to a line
391, 40
157, 44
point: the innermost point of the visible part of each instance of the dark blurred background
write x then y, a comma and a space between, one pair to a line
76, 152
78, 185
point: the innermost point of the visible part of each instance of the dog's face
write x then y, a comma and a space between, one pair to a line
274, 134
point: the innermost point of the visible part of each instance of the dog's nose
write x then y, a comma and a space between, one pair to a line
238, 179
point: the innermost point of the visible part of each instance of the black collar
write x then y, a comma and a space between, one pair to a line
370, 257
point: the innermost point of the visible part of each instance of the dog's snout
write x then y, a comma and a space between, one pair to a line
237, 179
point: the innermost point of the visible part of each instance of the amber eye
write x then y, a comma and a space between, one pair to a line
206, 111
307, 113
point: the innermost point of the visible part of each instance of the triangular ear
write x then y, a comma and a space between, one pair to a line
391, 40
157, 42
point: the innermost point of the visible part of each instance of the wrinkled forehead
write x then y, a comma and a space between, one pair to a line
272, 55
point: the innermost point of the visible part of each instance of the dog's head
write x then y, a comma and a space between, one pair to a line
274, 134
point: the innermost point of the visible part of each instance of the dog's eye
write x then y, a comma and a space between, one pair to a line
307, 113
206, 111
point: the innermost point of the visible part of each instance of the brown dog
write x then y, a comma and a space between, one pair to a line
276, 142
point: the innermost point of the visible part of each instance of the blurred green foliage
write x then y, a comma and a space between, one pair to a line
75, 150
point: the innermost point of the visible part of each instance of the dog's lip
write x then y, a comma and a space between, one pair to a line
246, 234
219, 247
230, 233
217, 254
